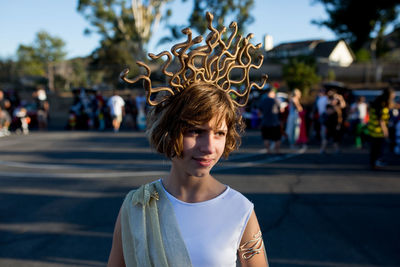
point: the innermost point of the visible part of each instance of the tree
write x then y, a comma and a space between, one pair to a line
78, 76
39, 58
299, 74
125, 28
358, 21
28, 61
238, 10
7, 70
116, 20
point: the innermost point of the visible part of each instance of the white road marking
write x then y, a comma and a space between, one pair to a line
227, 165
58, 192
81, 175
259, 162
38, 165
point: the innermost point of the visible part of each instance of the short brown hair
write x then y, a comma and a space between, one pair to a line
194, 106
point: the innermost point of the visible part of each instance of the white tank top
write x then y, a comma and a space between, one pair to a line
212, 229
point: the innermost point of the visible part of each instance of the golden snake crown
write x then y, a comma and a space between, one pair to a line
212, 63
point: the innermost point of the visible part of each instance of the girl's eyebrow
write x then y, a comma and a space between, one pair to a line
195, 127
224, 130
201, 127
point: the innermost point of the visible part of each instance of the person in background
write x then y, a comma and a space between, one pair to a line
339, 104
293, 121
396, 149
303, 132
378, 126
43, 108
131, 112
358, 120
332, 121
116, 106
270, 125
21, 120
394, 116
5, 121
320, 103
5, 103
100, 115
141, 111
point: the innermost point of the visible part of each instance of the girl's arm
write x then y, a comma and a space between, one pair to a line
384, 128
251, 252
297, 104
116, 258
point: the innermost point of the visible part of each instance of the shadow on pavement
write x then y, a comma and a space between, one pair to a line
299, 229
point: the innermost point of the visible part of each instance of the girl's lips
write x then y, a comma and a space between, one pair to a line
203, 162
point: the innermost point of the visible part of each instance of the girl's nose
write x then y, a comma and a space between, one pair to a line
207, 143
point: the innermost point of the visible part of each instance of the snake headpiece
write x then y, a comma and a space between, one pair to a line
223, 64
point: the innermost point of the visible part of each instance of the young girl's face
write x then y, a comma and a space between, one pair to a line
203, 146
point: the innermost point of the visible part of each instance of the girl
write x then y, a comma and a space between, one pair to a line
293, 121
189, 218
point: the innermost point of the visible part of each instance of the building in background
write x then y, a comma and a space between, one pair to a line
333, 53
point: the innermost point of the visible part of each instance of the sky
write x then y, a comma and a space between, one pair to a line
20, 20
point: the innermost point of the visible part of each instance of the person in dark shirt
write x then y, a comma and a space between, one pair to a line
4, 102
378, 126
270, 124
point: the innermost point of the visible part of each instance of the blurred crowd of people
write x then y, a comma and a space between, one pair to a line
281, 117
332, 117
91, 110
20, 115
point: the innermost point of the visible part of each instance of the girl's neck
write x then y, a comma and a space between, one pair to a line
192, 189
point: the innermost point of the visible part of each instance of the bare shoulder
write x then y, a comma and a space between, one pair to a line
116, 258
251, 251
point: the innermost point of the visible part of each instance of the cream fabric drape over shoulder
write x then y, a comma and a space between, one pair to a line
150, 233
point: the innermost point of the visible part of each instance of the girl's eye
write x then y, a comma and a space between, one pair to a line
221, 133
194, 131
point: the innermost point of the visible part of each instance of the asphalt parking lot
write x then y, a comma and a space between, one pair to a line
60, 193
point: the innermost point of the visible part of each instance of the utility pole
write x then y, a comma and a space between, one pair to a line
50, 76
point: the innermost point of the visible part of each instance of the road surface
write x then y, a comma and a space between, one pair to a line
60, 193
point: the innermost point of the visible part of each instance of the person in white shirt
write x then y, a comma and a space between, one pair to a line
358, 119
116, 106
188, 218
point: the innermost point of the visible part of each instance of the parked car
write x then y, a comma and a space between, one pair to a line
370, 95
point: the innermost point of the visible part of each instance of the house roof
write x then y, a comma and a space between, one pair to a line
297, 45
319, 49
324, 49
